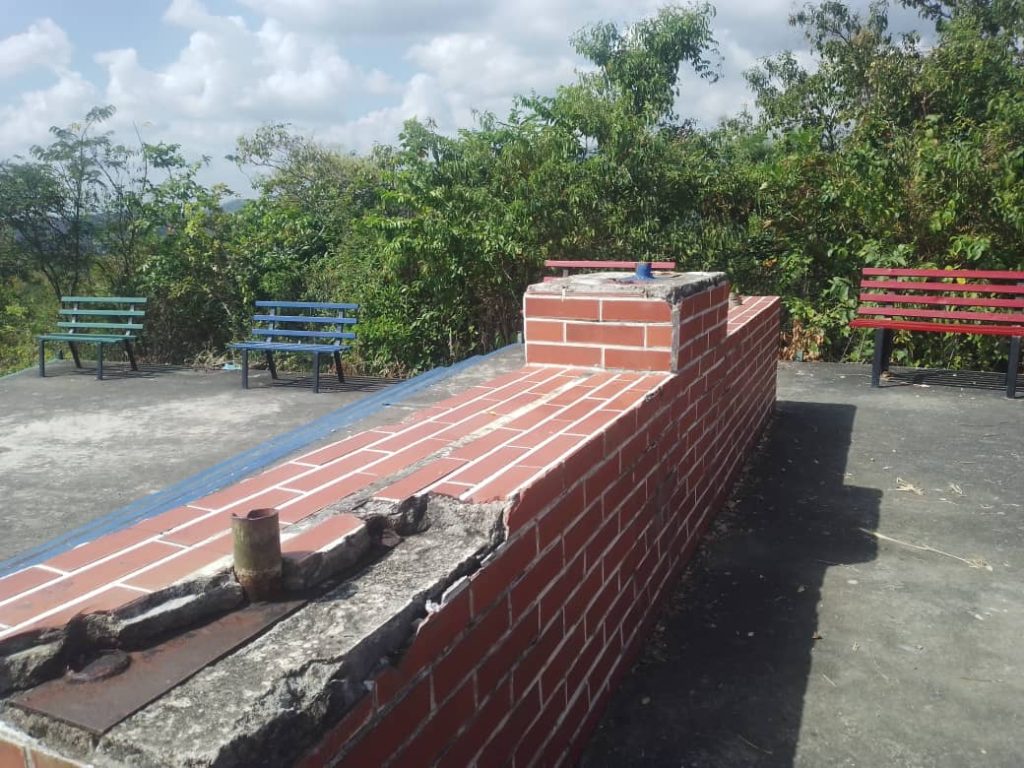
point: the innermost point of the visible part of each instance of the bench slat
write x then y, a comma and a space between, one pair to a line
87, 338
120, 326
305, 305
991, 317
104, 299
953, 301
982, 274
907, 285
102, 312
920, 325
274, 346
305, 319
303, 334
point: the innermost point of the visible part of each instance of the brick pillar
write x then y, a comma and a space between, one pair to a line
608, 320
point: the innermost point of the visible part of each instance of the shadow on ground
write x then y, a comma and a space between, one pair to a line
116, 370
722, 682
121, 370
328, 383
938, 377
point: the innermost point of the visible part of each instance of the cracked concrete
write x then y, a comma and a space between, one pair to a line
672, 287
270, 700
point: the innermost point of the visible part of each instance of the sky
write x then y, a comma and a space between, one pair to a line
347, 73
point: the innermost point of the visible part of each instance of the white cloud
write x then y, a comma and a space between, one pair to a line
227, 70
483, 72
422, 99
27, 120
44, 44
372, 18
349, 72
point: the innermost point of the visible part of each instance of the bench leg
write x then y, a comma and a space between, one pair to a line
131, 354
270, 364
245, 369
1012, 366
337, 365
883, 350
74, 354
316, 372
42, 357
99, 362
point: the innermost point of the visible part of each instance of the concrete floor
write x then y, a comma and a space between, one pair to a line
860, 604
79, 456
862, 601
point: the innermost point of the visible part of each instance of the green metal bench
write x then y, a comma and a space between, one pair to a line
314, 327
98, 320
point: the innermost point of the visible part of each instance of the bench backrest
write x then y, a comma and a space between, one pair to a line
298, 322
953, 296
595, 266
102, 315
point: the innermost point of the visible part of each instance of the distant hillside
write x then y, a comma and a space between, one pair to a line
233, 206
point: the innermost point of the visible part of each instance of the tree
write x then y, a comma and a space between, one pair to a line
50, 205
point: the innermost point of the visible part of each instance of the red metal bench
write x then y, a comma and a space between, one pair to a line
942, 301
565, 266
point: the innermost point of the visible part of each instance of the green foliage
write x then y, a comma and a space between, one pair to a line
883, 152
24, 311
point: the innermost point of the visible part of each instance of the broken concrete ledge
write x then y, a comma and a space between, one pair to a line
263, 704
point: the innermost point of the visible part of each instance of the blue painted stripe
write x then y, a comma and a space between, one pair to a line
237, 467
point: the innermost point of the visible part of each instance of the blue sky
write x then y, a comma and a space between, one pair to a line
346, 72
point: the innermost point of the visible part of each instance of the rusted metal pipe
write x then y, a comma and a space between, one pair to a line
257, 545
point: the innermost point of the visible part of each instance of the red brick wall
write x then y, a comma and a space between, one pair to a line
518, 664
614, 331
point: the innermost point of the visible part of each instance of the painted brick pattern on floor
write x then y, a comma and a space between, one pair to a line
486, 443
516, 666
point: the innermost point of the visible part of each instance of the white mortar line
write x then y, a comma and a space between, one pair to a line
550, 439
86, 568
181, 526
496, 424
45, 567
76, 601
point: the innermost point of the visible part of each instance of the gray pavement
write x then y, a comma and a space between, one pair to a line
74, 451
861, 603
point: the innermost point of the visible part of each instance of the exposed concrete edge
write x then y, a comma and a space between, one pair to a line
671, 287
298, 678
237, 467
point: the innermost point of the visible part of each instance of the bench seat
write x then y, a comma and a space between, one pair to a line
276, 346
314, 327
93, 338
984, 302
98, 320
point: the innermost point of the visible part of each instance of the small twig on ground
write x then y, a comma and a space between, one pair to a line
829, 679
749, 743
971, 563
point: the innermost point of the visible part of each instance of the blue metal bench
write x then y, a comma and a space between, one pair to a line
98, 320
314, 327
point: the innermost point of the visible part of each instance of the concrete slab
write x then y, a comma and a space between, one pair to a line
861, 603
75, 451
